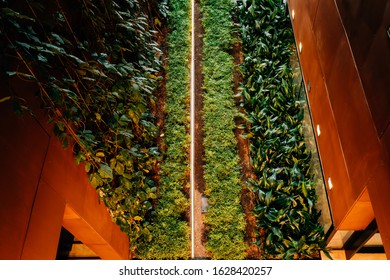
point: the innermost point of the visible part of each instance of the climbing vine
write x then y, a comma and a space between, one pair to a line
96, 64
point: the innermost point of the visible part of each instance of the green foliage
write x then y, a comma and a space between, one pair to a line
171, 232
96, 65
225, 218
284, 188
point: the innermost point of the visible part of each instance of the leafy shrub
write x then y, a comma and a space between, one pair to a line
284, 189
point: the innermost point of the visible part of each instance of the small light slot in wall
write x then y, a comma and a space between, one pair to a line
330, 184
318, 130
308, 86
300, 47
293, 14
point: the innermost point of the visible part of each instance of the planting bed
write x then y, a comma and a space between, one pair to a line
121, 93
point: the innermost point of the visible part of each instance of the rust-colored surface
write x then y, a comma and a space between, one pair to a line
331, 153
365, 23
247, 197
20, 174
347, 96
360, 214
39, 178
378, 188
346, 57
45, 225
200, 250
103, 241
312, 7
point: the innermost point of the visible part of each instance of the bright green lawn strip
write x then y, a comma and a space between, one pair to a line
170, 231
225, 219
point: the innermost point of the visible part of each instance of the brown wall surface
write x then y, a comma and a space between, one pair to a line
366, 23
350, 103
40, 180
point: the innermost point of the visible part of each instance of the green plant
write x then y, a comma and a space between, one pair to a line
287, 219
171, 232
225, 218
96, 64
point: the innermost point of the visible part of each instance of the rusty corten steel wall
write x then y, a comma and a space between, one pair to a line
345, 62
43, 189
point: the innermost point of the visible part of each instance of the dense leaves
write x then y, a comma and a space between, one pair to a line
284, 189
225, 218
171, 232
96, 65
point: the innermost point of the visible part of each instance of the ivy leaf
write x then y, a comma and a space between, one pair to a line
289, 254
42, 58
124, 120
24, 45
105, 172
55, 49
11, 73
126, 133
5, 99
126, 183
80, 158
96, 180
59, 128
28, 76
100, 154
119, 168
152, 195
55, 94
58, 38
87, 167
12, 13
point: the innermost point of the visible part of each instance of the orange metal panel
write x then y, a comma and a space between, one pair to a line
365, 23
114, 246
20, 167
85, 216
379, 190
351, 56
32, 217
63, 175
360, 214
45, 225
331, 154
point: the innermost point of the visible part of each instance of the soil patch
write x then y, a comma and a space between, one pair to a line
200, 250
247, 197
